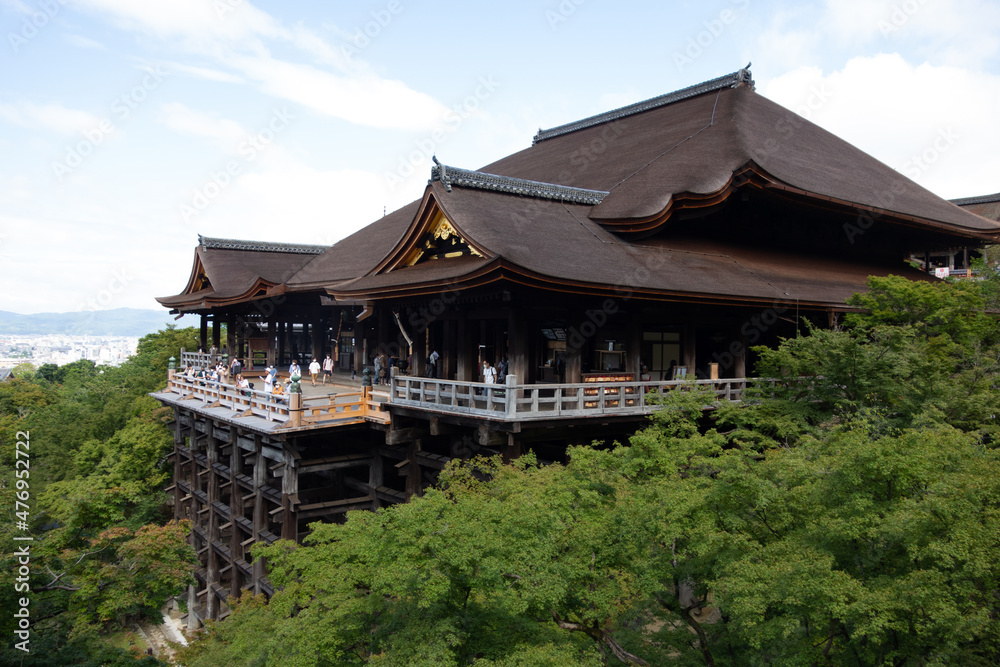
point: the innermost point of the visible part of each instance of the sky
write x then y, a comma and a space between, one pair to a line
129, 127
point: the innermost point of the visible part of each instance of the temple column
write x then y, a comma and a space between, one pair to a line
216, 332
203, 334
518, 354
688, 341
272, 350
280, 361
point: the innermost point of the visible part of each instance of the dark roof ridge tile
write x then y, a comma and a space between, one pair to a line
981, 199
479, 180
740, 77
209, 243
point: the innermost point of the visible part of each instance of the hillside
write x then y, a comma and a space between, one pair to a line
117, 322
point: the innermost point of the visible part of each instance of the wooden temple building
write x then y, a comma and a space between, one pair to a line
617, 256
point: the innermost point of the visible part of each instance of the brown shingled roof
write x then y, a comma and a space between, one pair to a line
567, 213
228, 270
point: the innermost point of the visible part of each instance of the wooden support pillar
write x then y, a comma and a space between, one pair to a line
236, 552
740, 356
413, 473
272, 344
241, 343
259, 513
231, 336
192, 620
318, 339
280, 360
688, 341
574, 366
375, 477
216, 332
178, 470
212, 564
289, 497
421, 349
518, 354
467, 357
633, 346
203, 334
513, 449
448, 351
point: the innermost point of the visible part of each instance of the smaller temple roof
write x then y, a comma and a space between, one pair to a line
987, 206
233, 270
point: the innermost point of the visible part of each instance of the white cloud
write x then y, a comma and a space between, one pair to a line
935, 124
47, 117
184, 120
84, 42
206, 73
235, 34
364, 100
960, 32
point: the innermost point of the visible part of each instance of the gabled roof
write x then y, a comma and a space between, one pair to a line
231, 270
595, 203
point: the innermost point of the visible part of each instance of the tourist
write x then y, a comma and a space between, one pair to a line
489, 373
294, 369
313, 370
432, 363
235, 368
378, 369
327, 369
269, 378
243, 384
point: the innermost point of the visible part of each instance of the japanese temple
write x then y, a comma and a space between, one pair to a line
618, 257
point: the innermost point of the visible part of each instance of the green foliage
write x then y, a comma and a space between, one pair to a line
125, 574
847, 513
101, 555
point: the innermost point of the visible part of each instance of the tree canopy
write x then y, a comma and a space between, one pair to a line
846, 513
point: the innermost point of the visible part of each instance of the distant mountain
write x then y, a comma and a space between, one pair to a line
117, 322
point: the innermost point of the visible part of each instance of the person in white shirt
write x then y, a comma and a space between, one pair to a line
489, 373
294, 369
314, 371
327, 368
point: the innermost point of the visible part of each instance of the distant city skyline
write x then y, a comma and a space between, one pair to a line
128, 128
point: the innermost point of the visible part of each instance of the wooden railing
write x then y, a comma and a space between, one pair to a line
220, 394
361, 405
200, 359
516, 402
292, 410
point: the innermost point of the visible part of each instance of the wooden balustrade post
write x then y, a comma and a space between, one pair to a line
295, 410
511, 394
